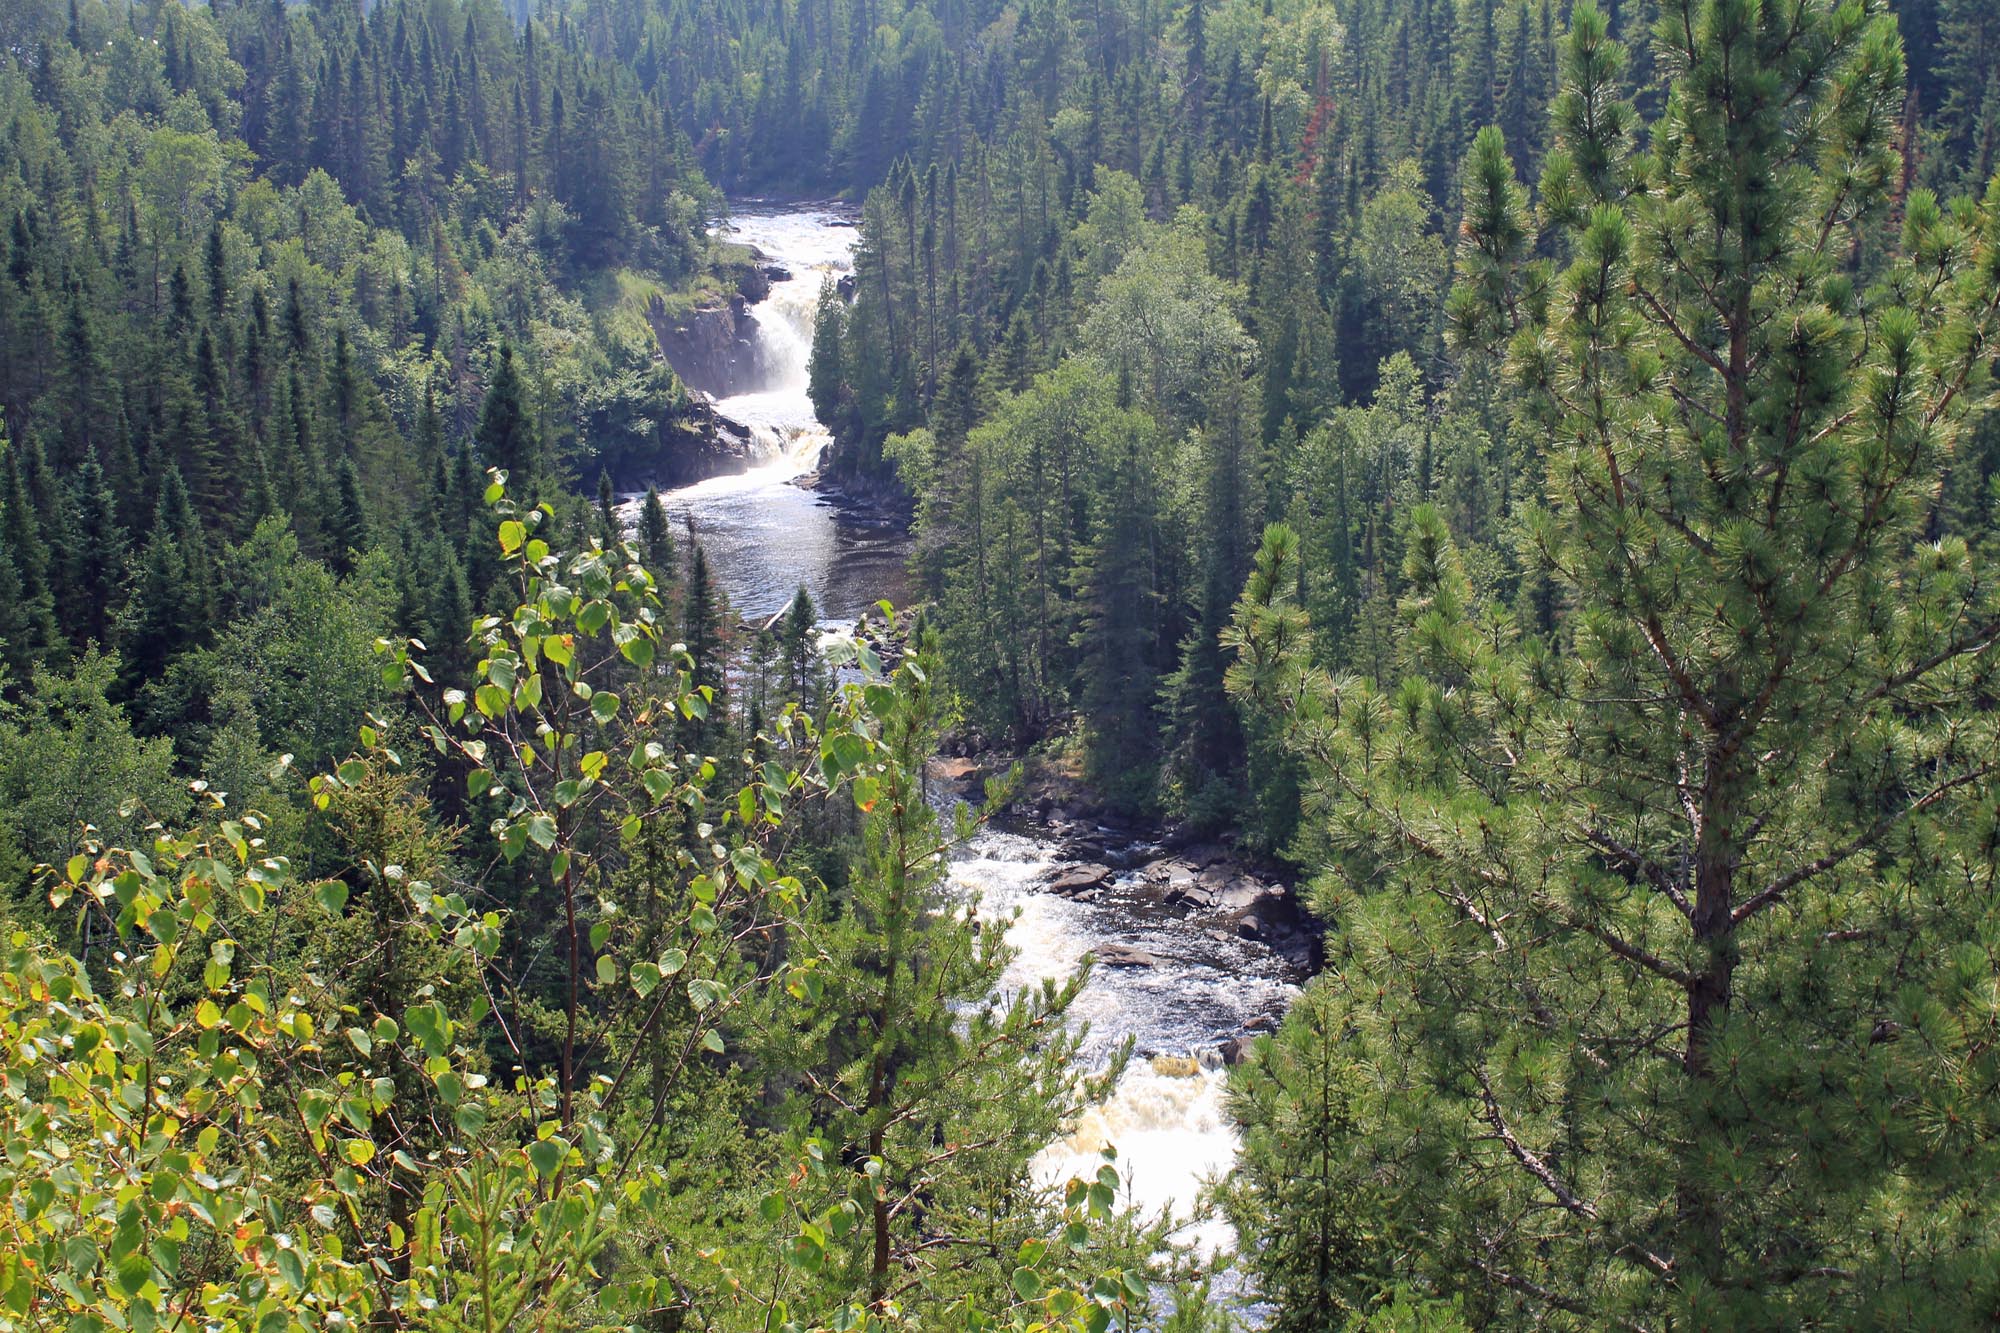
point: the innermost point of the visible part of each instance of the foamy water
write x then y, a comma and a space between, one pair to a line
1166, 1116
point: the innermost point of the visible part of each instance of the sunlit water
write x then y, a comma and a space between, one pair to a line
764, 537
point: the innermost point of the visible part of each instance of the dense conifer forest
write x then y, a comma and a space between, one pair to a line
1524, 468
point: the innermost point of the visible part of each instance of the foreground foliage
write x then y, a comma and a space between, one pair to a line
255, 1101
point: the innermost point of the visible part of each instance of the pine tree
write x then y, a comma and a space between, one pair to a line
1297, 1188
930, 1080
1668, 905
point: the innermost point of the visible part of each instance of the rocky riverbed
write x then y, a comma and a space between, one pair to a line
1160, 900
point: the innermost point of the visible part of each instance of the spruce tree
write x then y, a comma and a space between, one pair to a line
798, 646
95, 584
1119, 632
656, 539
28, 621
347, 518
702, 633
506, 435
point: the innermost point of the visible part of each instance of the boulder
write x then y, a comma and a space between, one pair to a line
1078, 880
1124, 955
1246, 892
1237, 1049
1204, 854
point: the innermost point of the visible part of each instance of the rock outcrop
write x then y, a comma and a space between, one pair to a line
712, 348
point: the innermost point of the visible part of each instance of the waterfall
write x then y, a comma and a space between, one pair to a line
763, 534
812, 249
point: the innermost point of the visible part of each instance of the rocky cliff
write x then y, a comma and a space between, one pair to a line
710, 347
714, 347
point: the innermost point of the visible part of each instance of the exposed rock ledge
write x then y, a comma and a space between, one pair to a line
714, 350
712, 347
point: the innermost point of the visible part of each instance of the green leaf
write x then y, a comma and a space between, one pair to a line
542, 831
645, 978
1027, 1284
607, 970
848, 751
360, 1151
332, 896
547, 1156
134, 1273
604, 707
512, 534
711, 1040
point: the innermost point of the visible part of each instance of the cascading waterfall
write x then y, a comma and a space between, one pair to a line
812, 249
763, 535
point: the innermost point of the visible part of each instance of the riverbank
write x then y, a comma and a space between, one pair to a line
861, 502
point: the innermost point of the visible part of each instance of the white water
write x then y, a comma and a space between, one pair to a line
764, 537
1171, 1129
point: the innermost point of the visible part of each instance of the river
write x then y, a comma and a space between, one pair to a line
765, 537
